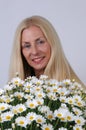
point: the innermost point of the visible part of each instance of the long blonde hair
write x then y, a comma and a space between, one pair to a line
58, 66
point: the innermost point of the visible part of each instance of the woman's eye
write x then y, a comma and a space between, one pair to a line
40, 41
26, 46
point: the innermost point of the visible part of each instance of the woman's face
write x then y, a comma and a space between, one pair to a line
35, 48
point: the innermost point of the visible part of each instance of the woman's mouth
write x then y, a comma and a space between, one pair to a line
37, 60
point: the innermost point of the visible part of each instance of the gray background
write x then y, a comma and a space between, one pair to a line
67, 16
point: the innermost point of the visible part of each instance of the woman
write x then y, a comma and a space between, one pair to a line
37, 50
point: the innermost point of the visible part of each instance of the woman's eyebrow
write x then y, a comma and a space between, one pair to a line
40, 38
25, 42
37, 39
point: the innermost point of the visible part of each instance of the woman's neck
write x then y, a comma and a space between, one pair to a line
38, 73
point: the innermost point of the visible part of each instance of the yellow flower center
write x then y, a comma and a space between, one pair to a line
63, 119
78, 121
31, 117
37, 89
70, 101
8, 117
21, 122
31, 105
79, 104
2, 108
39, 95
47, 128
19, 96
20, 85
48, 90
15, 111
8, 100
50, 116
69, 118
38, 83
63, 100
39, 103
55, 90
62, 93
20, 109
16, 82
59, 115
27, 91
28, 86
77, 129
60, 86
39, 120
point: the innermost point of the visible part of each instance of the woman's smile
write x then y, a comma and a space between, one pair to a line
38, 60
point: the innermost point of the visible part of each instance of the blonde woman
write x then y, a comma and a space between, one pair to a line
37, 50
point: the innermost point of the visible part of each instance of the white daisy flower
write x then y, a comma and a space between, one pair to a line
63, 99
76, 84
40, 119
34, 80
21, 121
67, 81
52, 82
70, 100
77, 98
80, 103
69, 116
77, 127
47, 127
37, 89
27, 87
17, 81
40, 101
40, 94
44, 109
61, 113
8, 87
77, 111
19, 95
14, 110
7, 116
54, 89
4, 106
20, 108
79, 120
39, 82
31, 104
50, 115
52, 96
2, 97
48, 89
63, 91
31, 116
28, 96
8, 99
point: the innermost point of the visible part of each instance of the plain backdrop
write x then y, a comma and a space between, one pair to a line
67, 16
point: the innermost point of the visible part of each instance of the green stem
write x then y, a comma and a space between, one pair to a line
2, 127
56, 123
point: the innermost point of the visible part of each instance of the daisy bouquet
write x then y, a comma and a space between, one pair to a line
42, 104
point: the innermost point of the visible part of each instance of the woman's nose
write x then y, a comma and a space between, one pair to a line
34, 50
